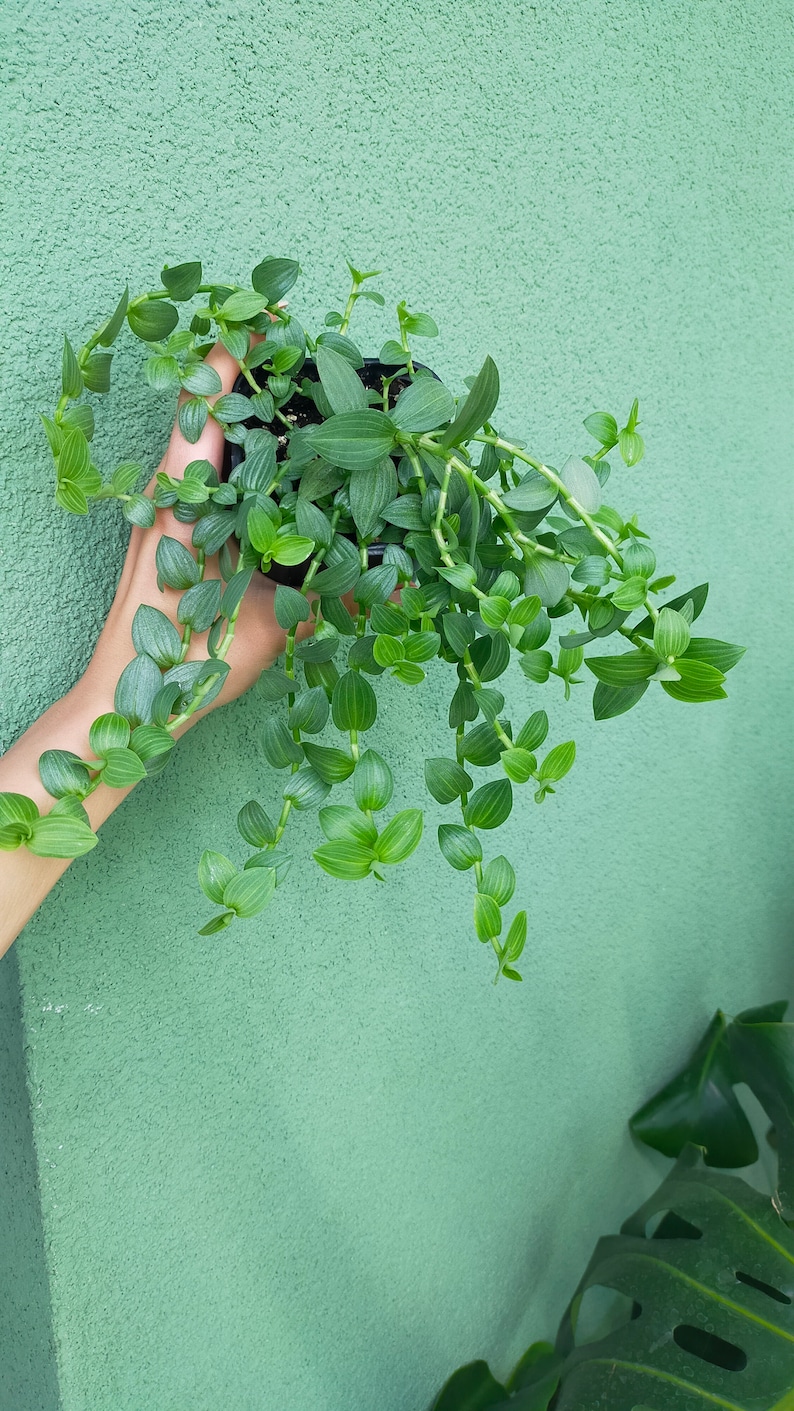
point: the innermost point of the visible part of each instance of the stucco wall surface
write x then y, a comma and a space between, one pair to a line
320, 1161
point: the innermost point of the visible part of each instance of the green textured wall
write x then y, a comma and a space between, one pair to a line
321, 1161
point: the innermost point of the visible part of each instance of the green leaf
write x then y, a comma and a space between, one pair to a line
603, 427
519, 765
593, 570
306, 789
141, 511
670, 635
112, 328
609, 701
152, 319
200, 605
477, 407
508, 586
537, 665
423, 406
96, 372
487, 917
249, 892
109, 732
631, 593
533, 492
420, 325
340, 823
136, 689
122, 769
321, 647
235, 591
460, 846
151, 742
638, 557
462, 576
125, 476
215, 872
499, 881
721, 655
392, 354
332, 765
472, 1388
290, 607
690, 1292
405, 512
348, 861
531, 735
375, 585
59, 835
482, 746
700, 1106
17, 808
341, 384
632, 446
280, 749
312, 523
291, 549
275, 277
242, 306
354, 440
761, 1049
175, 564
516, 936
623, 670
274, 683
582, 483
213, 529
71, 376
697, 597
61, 773
371, 490
446, 779
387, 651
400, 837
490, 805
463, 706
373, 782
409, 672
233, 406
546, 579
203, 380
558, 762
310, 711
354, 704
155, 635
182, 281
340, 578
494, 611
75, 457
218, 923
699, 682
422, 646
192, 418
254, 825
458, 632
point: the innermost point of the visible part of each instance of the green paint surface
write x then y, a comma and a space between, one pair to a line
320, 1161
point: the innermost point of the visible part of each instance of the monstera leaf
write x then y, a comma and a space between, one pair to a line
710, 1290
700, 1106
713, 1304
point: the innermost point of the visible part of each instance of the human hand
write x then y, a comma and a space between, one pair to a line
258, 639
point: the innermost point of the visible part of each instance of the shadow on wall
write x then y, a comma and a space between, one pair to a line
28, 1375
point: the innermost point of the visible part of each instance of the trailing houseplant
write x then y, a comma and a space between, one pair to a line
704, 1270
402, 529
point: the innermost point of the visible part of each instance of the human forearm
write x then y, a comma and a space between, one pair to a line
25, 879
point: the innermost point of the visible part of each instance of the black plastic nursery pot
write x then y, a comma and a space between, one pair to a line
302, 411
